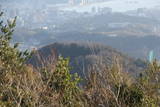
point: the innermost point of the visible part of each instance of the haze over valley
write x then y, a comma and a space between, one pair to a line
130, 26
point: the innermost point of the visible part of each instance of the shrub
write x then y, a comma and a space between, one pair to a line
63, 82
23, 85
150, 84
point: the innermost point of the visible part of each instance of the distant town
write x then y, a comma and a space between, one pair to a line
40, 23
46, 16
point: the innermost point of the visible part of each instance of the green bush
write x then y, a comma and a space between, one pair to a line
22, 85
150, 84
63, 82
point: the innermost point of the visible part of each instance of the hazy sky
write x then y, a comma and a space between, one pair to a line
116, 5
121, 5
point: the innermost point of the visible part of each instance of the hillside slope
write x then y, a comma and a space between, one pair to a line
85, 57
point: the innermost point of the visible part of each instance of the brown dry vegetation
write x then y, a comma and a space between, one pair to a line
53, 85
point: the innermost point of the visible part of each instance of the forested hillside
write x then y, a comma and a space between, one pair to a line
84, 55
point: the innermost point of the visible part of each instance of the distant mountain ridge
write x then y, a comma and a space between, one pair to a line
85, 55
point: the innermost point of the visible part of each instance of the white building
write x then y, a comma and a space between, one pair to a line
84, 2
71, 2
